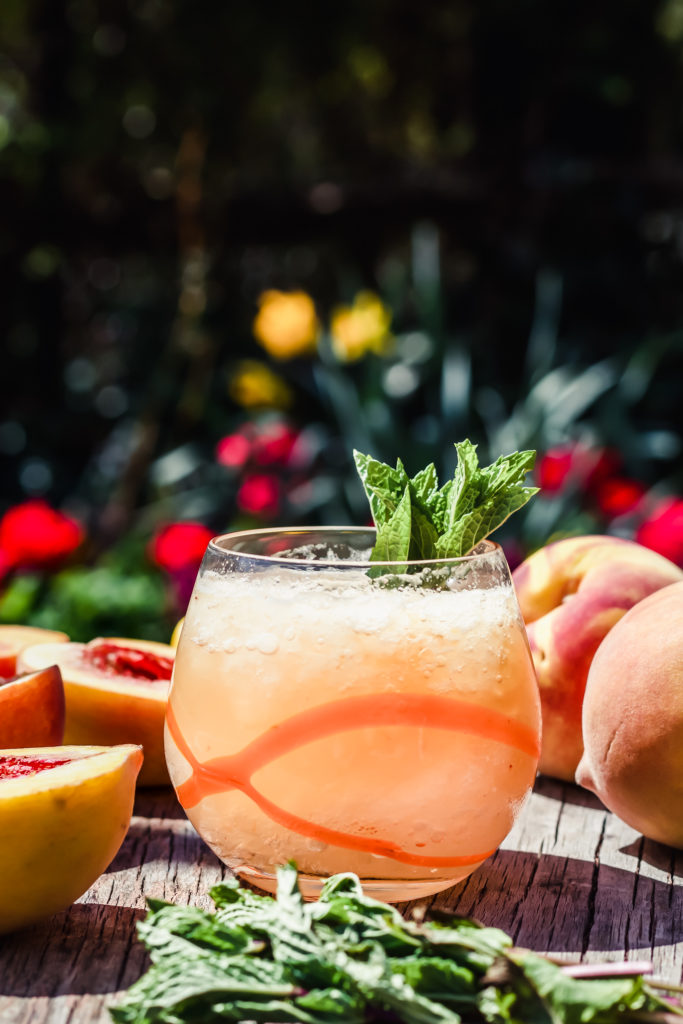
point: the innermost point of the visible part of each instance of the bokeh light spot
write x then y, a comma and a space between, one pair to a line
35, 476
80, 375
139, 121
111, 401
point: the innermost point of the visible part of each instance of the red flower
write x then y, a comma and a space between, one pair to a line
233, 450
663, 530
618, 495
259, 494
180, 546
35, 536
575, 464
554, 468
274, 445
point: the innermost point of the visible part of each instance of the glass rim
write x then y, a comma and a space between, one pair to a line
490, 548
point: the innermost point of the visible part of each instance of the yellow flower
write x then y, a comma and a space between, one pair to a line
254, 385
360, 328
286, 324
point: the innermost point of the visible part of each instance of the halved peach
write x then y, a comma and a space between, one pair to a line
32, 709
64, 812
116, 692
13, 640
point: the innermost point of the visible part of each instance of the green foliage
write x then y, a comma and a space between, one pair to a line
352, 959
88, 602
19, 597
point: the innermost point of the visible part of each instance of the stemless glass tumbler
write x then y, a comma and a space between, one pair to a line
351, 715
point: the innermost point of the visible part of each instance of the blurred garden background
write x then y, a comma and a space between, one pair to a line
240, 240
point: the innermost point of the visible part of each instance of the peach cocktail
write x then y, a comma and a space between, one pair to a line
349, 716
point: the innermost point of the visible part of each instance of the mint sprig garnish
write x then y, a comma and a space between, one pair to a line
350, 959
417, 520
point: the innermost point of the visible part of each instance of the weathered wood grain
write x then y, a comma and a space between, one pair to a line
571, 880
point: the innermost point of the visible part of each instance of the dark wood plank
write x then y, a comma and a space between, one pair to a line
575, 881
571, 879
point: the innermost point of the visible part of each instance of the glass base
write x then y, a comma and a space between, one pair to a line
390, 890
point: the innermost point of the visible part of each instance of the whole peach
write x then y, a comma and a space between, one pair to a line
633, 718
571, 593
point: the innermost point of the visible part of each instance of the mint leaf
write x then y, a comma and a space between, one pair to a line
384, 486
423, 533
416, 520
466, 487
425, 483
394, 535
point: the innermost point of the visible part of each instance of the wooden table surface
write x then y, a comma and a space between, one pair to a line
571, 879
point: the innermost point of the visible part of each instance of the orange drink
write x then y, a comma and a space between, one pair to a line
385, 722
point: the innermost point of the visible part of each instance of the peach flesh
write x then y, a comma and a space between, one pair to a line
14, 766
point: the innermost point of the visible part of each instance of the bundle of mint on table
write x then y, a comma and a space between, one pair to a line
351, 959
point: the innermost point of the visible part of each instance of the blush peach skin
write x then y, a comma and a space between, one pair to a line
633, 718
571, 593
32, 709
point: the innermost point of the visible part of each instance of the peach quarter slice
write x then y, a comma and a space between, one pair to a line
64, 812
104, 706
32, 709
14, 639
